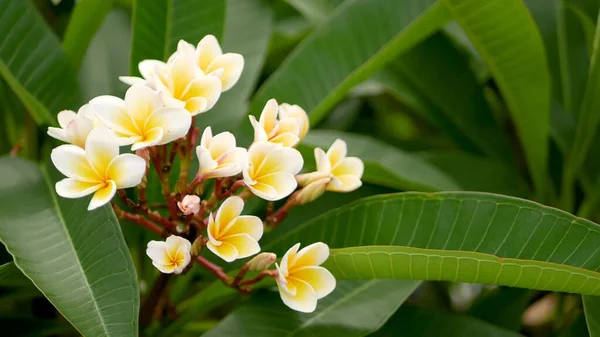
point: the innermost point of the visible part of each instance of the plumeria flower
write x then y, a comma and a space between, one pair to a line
301, 280
75, 127
271, 169
99, 169
295, 111
170, 256
148, 69
190, 204
268, 128
218, 156
233, 236
141, 119
210, 59
345, 172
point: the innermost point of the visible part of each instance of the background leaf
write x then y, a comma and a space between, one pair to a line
11, 276
591, 304
77, 258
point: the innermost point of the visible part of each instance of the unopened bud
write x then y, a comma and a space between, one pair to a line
190, 204
261, 261
312, 191
197, 246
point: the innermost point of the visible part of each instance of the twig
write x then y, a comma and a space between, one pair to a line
149, 225
130, 203
213, 268
276, 218
260, 276
236, 185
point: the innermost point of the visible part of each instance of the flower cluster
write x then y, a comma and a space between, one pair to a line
156, 118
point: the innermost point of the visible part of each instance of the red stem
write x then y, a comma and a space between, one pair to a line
236, 185
149, 225
213, 268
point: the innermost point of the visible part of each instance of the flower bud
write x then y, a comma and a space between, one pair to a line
190, 204
312, 191
261, 261
197, 246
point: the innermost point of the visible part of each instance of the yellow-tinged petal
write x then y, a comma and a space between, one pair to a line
101, 148
312, 191
268, 116
207, 87
196, 105
295, 111
319, 278
232, 65
287, 259
322, 161
349, 166
65, 117
126, 170
337, 152
103, 195
285, 139
208, 49
246, 224
141, 102
175, 123
71, 188
260, 135
78, 130
345, 183
307, 178
112, 112
244, 244
148, 69
151, 137
305, 299
283, 183
221, 144
230, 209
311, 255
181, 72
157, 251
71, 161
226, 251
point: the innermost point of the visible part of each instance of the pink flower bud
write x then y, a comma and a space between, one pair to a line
190, 204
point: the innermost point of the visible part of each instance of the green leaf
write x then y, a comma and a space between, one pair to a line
421, 322
506, 37
158, 25
338, 55
461, 236
591, 305
83, 24
315, 11
384, 164
503, 307
458, 105
473, 173
248, 25
11, 276
77, 258
355, 308
33, 63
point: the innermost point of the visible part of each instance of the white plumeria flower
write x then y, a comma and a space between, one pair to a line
190, 204
210, 59
218, 156
148, 69
170, 256
183, 85
271, 169
141, 119
301, 280
268, 128
295, 111
75, 127
98, 169
345, 172
233, 236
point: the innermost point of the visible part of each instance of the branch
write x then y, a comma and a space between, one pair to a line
147, 224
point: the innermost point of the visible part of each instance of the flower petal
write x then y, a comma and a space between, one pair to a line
307, 178
305, 299
208, 87
141, 102
295, 111
349, 166
126, 170
260, 135
176, 244
319, 278
71, 188
164, 268
157, 251
65, 117
311, 255
78, 130
132, 80
286, 139
226, 251
284, 183
208, 49
287, 259
246, 224
181, 73
232, 65
101, 148
196, 105
289, 125
263, 191
175, 123
151, 138
103, 195
280, 159
206, 163
57, 133
337, 152
221, 143
322, 161
244, 243
112, 112
148, 68
206, 137
268, 116
230, 209
345, 183
71, 161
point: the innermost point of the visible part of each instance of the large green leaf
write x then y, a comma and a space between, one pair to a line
338, 55
458, 105
421, 322
473, 173
33, 63
355, 308
506, 37
158, 25
384, 164
11, 276
591, 304
462, 236
315, 11
83, 24
248, 25
77, 258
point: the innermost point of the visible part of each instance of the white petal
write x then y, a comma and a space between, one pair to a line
282, 182
305, 299
141, 102
65, 117
101, 148
208, 87
337, 151
175, 123
244, 244
221, 144
165, 269
71, 188
322, 161
151, 137
175, 243
206, 137
232, 65
157, 251
230, 209
112, 112
319, 278
344, 183
307, 178
268, 116
126, 170
205, 161
78, 130
148, 68
208, 49
57, 133
260, 135
132, 80
226, 251
311, 255
103, 195
71, 161
285, 260
295, 111
246, 224
349, 166
263, 191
